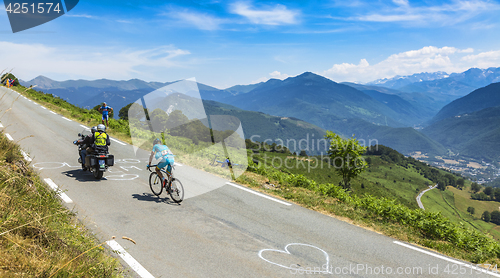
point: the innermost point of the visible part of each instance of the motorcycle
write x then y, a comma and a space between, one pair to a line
96, 162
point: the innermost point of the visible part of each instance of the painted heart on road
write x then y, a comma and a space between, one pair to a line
278, 257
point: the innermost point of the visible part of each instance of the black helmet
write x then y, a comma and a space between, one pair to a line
157, 141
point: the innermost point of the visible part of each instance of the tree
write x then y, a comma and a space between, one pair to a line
471, 210
176, 118
441, 185
461, 183
486, 216
496, 194
159, 120
495, 217
346, 156
123, 113
488, 190
475, 187
302, 153
11, 76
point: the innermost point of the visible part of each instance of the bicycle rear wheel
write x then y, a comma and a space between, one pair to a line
155, 184
176, 190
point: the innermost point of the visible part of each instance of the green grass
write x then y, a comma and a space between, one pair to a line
38, 236
455, 208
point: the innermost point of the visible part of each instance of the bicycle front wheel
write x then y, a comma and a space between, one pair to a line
176, 190
155, 184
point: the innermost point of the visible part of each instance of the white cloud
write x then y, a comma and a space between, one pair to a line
484, 59
401, 2
426, 59
199, 20
278, 15
80, 15
273, 75
445, 14
31, 60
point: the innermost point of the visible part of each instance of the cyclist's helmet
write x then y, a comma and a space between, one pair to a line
93, 129
157, 141
101, 128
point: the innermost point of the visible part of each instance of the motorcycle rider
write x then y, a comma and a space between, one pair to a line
98, 141
87, 141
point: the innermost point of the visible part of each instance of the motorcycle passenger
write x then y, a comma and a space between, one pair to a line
167, 158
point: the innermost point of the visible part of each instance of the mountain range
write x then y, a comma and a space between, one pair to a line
383, 110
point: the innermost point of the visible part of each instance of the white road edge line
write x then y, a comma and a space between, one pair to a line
258, 194
26, 157
469, 265
177, 164
66, 119
53, 112
135, 265
119, 142
43, 107
58, 191
9, 137
84, 127
1, 125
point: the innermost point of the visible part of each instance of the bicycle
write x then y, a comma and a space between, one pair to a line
172, 185
224, 163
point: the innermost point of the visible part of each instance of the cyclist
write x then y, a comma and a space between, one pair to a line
167, 158
104, 109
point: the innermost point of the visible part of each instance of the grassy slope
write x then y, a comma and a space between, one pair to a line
378, 180
456, 208
38, 236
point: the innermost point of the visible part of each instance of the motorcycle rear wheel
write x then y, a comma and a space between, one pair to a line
98, 174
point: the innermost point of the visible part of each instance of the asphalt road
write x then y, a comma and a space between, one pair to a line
419, 197
220, 230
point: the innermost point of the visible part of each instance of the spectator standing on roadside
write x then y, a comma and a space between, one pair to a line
104, 109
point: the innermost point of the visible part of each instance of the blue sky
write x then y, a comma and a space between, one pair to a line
226, 43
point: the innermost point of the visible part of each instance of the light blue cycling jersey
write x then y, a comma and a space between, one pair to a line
167, 158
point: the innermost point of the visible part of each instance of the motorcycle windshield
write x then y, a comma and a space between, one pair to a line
85, 132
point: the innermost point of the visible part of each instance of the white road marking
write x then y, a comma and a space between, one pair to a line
119, 142
177, 164
53, 112
324, 270
469, 265
135, 265
43, 107
1, 125
125, 177
66, 119
85, 127
58, 191
259, 194
129, 167
26, 157
9, 137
